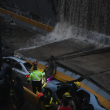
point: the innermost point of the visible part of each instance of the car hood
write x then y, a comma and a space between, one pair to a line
52, 85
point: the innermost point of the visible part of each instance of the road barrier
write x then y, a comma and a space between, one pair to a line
32, 98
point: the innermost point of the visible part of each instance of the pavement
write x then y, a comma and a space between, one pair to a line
95, 66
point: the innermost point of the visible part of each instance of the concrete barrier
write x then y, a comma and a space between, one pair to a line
27, 20
32, 98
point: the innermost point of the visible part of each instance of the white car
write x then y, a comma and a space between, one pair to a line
57, 89
21, 68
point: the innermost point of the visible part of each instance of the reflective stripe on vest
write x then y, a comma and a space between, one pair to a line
56, 102
49, 102
47, 105
11, 92
36, 76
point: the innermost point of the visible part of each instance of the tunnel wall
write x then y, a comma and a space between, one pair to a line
27, 20
40, 10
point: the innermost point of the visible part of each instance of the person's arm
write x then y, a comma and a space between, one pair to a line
79, 80
43, 74
30, 77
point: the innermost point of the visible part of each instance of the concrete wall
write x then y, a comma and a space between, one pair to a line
26, 21
41, 7
89, 14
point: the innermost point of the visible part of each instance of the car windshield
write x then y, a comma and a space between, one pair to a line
28, 66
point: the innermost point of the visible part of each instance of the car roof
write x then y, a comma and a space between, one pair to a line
55, 82
17, 59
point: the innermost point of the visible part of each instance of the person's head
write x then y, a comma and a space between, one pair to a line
34, 68
52, 57
78, 85
85, 101
40, 96
67, 95
65, 102
34, 63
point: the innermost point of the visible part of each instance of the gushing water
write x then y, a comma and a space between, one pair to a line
85, 20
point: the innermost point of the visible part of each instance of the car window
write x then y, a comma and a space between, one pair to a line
83, 94
7, 60
18, 66
27, 66
61, 91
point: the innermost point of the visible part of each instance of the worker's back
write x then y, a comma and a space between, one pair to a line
47, 100
36, 75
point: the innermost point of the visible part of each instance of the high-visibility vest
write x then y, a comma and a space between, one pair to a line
36, 75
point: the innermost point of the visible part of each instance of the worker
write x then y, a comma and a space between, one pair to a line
64, 105
86, 105
40, 96
73, 92
33, 64
7, 69
51, 67
19, 93
69, 98
5, 92
73, 89
46, 98
66, 96
36, 77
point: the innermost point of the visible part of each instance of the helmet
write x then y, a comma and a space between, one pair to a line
67, 94
77, 84
39, 95
34, 63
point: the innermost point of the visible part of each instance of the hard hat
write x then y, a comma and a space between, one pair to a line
34, 63
77, 84
39, 95
67, 94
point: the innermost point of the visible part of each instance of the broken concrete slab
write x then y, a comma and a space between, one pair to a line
56, 49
